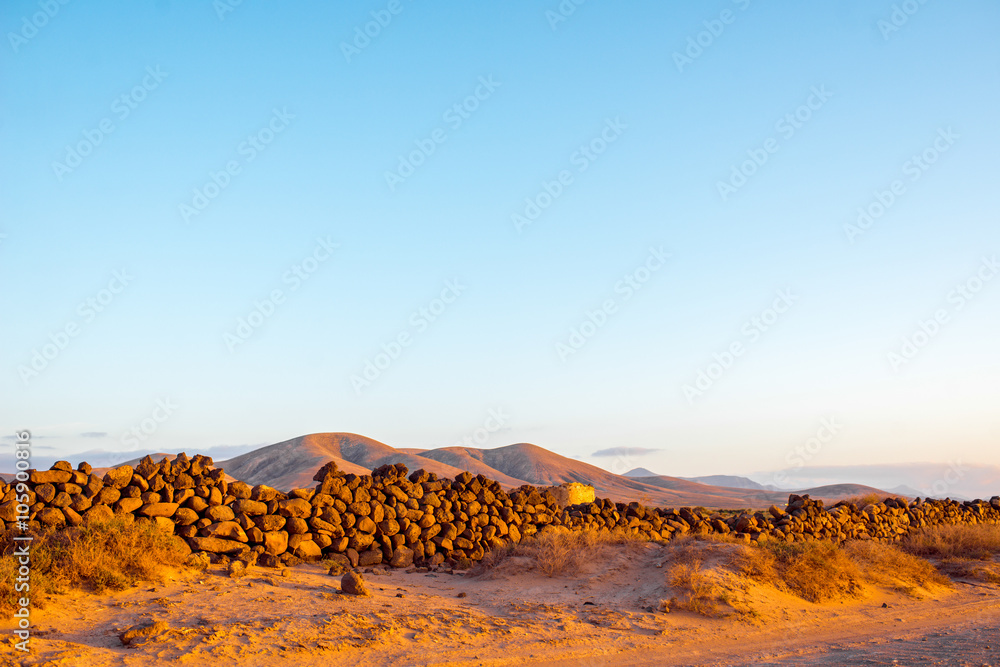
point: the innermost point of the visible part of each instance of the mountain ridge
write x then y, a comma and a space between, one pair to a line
291, 464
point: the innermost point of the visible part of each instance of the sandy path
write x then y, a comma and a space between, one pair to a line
415, 618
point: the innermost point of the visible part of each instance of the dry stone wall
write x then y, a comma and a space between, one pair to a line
400, 519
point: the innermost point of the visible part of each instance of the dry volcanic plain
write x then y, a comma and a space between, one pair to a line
462, 568
596, 616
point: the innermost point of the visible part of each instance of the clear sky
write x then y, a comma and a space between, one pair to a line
563, 218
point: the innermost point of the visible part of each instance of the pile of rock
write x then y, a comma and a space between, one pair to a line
399, 519
170, 493
803, 519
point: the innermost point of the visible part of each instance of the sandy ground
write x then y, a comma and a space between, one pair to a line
598, 617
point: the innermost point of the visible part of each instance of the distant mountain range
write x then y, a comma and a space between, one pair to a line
292, 463
734, 482
729, 481
640, 472
955, 480
904, 490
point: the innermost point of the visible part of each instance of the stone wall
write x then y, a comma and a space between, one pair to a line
402, 519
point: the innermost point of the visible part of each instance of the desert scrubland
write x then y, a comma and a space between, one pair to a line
559, 598
171, 561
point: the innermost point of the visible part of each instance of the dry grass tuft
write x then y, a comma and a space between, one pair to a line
759, 564
688, 575
700, 593
822, 571
112, 555
888, 565
552, 552
980, 542
963, 551
817, 571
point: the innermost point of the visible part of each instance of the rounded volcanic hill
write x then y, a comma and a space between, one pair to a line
291, 464
522, 461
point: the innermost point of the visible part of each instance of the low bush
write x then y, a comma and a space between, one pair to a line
821, 571
961, 551
552, 552
112, 555
974, 542
699, 593
889, 565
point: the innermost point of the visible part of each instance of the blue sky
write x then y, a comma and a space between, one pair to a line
207, 155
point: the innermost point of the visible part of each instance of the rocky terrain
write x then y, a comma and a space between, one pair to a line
403, 518
403, 548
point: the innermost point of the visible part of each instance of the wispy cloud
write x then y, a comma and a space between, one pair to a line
625, 451
94, 434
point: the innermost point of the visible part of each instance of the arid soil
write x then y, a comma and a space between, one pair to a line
601, 616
